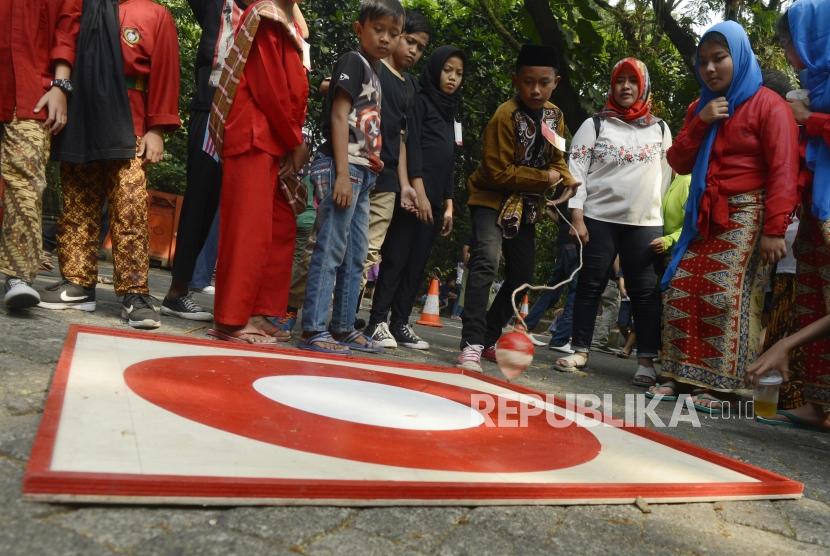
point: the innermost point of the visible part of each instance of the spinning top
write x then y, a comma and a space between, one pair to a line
514, 354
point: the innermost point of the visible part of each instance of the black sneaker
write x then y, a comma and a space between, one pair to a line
139, 312
66, 295
19, 294
406, 337
185, 308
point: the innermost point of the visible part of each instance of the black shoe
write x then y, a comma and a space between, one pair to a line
406, 337
359, 324
139, 311
19, 294
184, 307
67, 295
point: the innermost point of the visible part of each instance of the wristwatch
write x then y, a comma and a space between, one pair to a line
64, 85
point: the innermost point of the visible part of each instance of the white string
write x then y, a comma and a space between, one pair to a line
531, 287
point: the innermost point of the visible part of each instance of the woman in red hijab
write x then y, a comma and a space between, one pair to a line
619, 156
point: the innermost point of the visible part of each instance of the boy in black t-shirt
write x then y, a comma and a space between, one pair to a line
398, 93
343, 176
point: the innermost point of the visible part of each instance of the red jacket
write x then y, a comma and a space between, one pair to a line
818, 125
269, 108
150, 49
34, 35
756, 148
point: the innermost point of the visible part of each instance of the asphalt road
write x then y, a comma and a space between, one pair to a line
30, 345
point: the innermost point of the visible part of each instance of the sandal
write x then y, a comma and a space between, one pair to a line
791, 421
671, 385
571, 363
268, 328
323, 342
622, 354
714, 405
645, 376
359, 341
256, 338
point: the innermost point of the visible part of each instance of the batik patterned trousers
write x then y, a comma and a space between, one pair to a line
24, 151
85, 188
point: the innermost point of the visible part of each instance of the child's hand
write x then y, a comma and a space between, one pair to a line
299, 157
446, 228
55, 103
773, 249
581, 231
776, 358
800, 111
424, 209
658, 245
554, 177
342, 193
717, 109
564, 196
151, 147
409, 198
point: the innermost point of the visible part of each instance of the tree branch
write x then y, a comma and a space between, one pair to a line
618, 12
498, 25
683, 39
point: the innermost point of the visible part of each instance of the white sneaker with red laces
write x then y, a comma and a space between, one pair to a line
470, 358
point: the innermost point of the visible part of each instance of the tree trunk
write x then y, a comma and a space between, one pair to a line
565, 96
684, 40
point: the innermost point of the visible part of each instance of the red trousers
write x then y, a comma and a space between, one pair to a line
257, 230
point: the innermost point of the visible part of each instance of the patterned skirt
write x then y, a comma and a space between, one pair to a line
712, 309
811, 363
781, 324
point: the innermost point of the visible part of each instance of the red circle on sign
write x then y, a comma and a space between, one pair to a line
218, 391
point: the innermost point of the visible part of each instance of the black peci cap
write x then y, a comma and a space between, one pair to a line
537, 55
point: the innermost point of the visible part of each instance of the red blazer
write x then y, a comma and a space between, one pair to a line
34, 35
150, 49
818, 125
269, 108
756, 148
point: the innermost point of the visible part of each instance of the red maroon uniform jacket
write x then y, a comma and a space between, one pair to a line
34, 35
150, 48
756, 148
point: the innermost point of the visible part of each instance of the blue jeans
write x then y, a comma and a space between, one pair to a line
567, 259
564, 326
206, 263
336, 265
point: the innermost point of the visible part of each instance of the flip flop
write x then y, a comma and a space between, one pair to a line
319, 341
793, 421
663, 397
249, 338
708, 409
359, 341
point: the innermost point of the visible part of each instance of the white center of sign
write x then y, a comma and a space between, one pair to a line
368, 403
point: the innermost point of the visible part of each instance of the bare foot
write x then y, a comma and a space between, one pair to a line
265, 326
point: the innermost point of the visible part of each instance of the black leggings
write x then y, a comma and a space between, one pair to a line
639, 267
201, 200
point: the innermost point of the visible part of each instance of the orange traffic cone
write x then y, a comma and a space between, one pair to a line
524, 310
430, 314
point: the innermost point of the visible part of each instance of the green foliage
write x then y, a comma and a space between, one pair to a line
169, 175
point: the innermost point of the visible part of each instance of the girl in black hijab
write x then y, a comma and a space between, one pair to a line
430, 149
